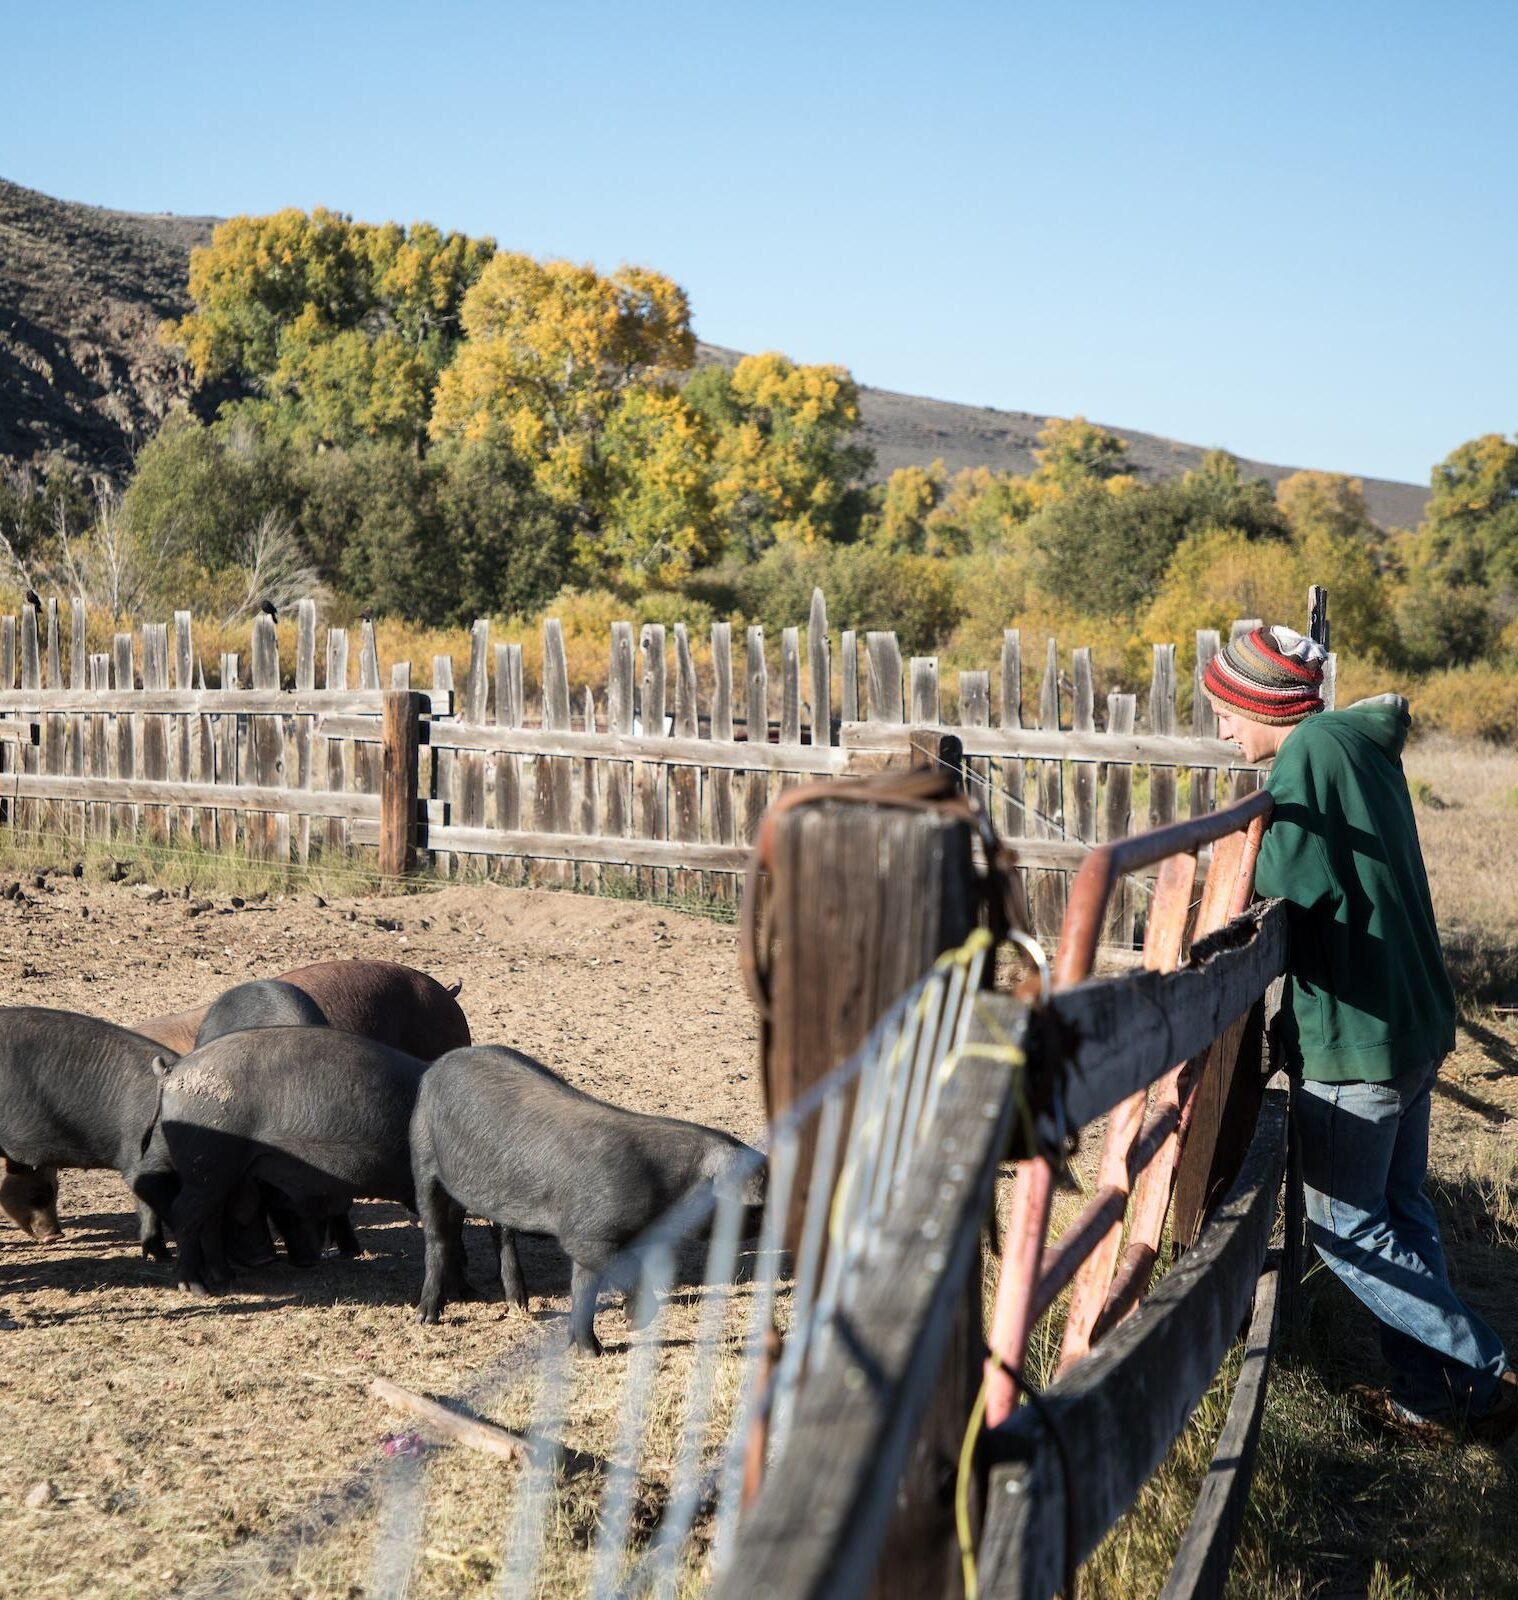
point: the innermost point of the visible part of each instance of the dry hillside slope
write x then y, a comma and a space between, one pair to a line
83, 289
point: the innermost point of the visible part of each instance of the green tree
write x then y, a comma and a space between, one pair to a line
1470, 532
1107, 553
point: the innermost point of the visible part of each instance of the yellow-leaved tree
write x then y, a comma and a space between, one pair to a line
787, 465
550, 349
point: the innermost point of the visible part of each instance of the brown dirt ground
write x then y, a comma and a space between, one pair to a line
174, 1430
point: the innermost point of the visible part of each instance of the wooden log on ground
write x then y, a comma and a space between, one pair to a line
506, 1443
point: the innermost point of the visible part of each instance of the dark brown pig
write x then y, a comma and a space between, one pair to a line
380, 1000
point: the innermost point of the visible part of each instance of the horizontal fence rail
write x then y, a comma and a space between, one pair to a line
663, 772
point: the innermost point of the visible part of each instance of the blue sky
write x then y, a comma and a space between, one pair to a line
1288, 230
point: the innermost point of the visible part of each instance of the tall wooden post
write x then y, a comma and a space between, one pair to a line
862, 898
400, 746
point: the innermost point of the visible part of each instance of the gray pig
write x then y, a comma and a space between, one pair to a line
498, 1135
76, 1091
263, 1003
318, 1115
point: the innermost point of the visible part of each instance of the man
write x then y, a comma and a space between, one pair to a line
1368, 1016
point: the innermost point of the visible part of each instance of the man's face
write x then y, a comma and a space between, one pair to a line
1254, 740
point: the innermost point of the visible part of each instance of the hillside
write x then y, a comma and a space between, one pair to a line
82, 374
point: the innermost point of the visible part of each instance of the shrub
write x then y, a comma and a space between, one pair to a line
1474, 702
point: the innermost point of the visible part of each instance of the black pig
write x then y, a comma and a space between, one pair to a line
500, 1136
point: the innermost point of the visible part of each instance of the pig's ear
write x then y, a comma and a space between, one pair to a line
160, 1067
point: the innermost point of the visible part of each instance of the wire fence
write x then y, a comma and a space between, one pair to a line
705, 1390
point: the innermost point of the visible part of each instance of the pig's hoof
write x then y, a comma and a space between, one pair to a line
427, 1315
590, 1346
154, 1250
198, 1290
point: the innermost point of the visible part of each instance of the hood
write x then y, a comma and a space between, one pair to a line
1384, 719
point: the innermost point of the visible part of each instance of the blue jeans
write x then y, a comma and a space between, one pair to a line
1364, 1149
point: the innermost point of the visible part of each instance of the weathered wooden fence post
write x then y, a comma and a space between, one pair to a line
399, 782
861, 899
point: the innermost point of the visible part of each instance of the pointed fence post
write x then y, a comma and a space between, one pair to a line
399, 749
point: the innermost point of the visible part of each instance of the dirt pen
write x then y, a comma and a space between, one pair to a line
801, 1410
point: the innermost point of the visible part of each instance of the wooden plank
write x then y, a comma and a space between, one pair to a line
1122, 709
366, 757
975, 712
182, 727
820, 670
619, 718
790, 694
653, 798
589, 874
159, 793
339, 755
1120, 1034
724, 819
1012, 770
155, 740
1037, 744
738, 755
443, 761
301, 733
1168, 1352
552, 805
570, 847
1204, 724
1200, 1569
229, 760
399, 783
8, 754
267, 840
924, 679
684, 781
124, 746
1162, 723
849, 650
885, 678
819, 1523
174, 702
55, 730
757, 716
1083, 720
1047, 902
469, 774
27, 815
204, 769
97, 759
78, 724
510, 712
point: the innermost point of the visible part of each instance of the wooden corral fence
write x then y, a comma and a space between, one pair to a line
666, 776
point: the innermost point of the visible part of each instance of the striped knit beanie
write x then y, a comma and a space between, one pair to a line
1272, 675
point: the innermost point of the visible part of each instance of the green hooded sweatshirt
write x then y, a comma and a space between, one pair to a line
1367, 994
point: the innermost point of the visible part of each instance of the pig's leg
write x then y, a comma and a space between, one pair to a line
343, 1236
154, 1193
513, 1285
434, 1206
456, 1285
584, 1280
246, 1227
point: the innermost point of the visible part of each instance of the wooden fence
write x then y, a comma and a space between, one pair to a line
666, 774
